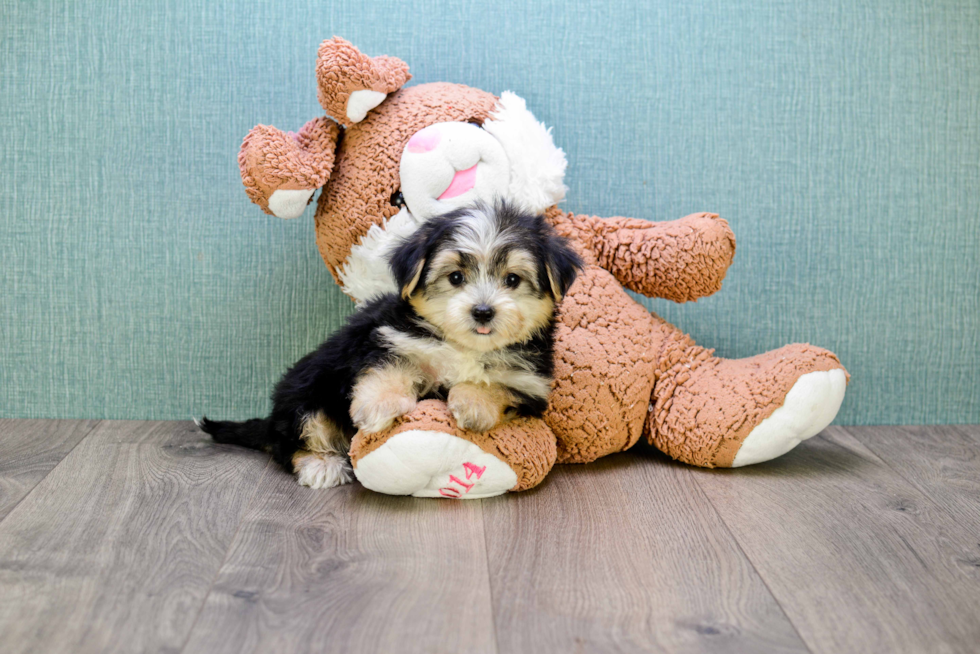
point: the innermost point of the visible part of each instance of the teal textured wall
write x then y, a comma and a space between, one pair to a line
841, 140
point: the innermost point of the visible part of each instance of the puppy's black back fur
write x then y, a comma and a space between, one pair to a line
322, 381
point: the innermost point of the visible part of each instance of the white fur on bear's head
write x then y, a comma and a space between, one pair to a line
537, 165
447, 165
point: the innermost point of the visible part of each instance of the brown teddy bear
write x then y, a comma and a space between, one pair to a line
392, 157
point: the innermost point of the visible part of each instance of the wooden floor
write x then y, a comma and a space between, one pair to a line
146, 537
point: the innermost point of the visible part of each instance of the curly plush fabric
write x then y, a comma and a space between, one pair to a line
704, 406
680, 260
602, 380
270, 160
341, 69
528, 446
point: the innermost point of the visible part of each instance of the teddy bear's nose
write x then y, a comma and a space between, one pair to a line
425, 140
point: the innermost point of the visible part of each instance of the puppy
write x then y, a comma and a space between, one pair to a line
473, 324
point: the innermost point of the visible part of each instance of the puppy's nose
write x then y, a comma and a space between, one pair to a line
483, 313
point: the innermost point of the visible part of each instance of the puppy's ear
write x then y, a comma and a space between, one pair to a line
407, 261
409, 287
562, 265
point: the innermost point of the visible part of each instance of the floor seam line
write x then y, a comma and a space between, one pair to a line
745, 554
224, 560
921, 491
486, 552
55, 467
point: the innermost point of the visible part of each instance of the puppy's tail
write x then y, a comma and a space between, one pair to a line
253, 433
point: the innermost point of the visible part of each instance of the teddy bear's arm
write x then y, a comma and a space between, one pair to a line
281, 171
680, 260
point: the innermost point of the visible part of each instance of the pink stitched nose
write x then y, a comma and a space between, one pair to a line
424, 140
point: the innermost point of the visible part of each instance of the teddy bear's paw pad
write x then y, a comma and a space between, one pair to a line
426, 463
362, 101
288, 203
809, 407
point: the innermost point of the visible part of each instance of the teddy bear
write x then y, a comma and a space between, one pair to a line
389, 157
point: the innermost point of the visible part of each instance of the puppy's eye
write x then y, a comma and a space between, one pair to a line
397, 199
456, 278
512, 281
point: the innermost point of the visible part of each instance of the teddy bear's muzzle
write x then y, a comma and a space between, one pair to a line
449, 165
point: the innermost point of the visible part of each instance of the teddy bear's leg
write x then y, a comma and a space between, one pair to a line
426, 454
351, 83
282, 171
714, 412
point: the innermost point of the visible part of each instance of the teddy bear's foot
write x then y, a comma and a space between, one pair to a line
289, 203
281, 171
425, 454
432, 463
808, 408
714, 412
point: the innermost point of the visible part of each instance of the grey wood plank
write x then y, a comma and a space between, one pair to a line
115, 549
943, 462
348, 570
626, 555
973, 431
860, 560
29, 449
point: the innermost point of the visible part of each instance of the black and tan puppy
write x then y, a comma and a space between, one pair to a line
473, 324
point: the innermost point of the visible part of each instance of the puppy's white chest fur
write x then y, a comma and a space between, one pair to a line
442, 362
445, 364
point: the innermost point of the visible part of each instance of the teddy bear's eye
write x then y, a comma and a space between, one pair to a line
397, 199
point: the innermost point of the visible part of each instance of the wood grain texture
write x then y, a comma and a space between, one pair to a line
114, 551
29, 449
627, 555
973, 431
858, 557
348, 570
943, 462
147, 537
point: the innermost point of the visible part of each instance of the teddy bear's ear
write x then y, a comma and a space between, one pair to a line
350, 84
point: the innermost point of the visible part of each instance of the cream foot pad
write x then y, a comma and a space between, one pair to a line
809, 407
426, 463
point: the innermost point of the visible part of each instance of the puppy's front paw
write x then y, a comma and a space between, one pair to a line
477, 408
375, 414
321, 470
